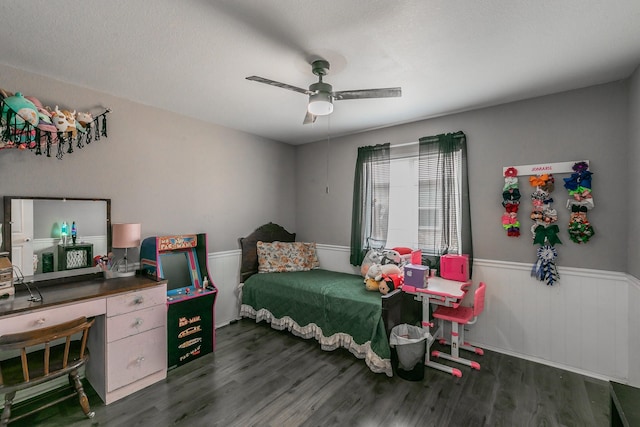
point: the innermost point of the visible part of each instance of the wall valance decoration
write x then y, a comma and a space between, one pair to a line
27, 124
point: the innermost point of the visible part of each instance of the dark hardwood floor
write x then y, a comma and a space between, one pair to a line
262, 377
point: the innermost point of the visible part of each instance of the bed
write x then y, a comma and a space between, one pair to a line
332, 307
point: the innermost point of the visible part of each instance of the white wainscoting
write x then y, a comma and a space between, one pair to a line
633, 308
224, 268
580, 324
586, 323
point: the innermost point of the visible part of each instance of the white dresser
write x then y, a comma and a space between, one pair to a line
128, 341
128, 344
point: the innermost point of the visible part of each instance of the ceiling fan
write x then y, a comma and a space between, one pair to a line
321, 94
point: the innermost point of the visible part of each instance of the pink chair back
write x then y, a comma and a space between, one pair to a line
478, 301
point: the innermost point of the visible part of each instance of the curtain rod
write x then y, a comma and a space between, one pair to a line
406, 144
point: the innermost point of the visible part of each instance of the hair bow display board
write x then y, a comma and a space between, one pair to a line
544, 231
561, 167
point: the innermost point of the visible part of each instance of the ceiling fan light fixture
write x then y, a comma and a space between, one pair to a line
320, 104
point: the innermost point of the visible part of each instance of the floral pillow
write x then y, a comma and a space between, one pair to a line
277, 257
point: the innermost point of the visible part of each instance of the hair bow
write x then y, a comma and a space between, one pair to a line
510, 182
580, 166
588, 203
550, 215
578, 179
513, 232
580, 232
545, 269
539, 194
511, 172
538, 181
549, 233
512, 208
512, 194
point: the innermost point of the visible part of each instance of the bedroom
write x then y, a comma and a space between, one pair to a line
238, 181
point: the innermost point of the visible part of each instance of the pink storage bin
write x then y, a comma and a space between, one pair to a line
454, 267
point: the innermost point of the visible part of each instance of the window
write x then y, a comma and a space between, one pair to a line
414, 220
414, 195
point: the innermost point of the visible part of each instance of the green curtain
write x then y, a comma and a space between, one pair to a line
444, 196
370, 214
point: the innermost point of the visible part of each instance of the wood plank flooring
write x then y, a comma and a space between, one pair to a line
262, 377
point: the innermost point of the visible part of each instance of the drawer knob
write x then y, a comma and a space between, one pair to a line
138, 300
138, 322
139, 360
41, 321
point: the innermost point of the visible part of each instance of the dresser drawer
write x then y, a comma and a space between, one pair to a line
136, 357
47, 317
135, 322
138, 300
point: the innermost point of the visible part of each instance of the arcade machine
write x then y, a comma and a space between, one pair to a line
191, 293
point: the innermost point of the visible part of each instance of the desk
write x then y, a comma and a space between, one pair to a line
128, 342
439, 291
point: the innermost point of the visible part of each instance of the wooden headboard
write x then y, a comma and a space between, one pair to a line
266, 233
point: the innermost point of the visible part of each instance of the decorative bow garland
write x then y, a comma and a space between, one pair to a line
545, 269
579, 188
545, 232
511, 201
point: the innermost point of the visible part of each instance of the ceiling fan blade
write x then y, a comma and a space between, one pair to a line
309, 118
389, 92
278, 84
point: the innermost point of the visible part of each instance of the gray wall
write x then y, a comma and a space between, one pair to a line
171, 173
590, 123
633, 166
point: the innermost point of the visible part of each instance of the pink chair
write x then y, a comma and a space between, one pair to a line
460, 315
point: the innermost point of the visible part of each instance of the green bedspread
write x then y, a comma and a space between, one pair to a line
333, 307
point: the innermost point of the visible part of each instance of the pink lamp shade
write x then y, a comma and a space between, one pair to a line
125, 235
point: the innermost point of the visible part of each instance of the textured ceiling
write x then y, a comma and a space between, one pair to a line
192, 56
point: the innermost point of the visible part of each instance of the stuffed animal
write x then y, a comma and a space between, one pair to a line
371, 284
390, 256
65, 121
376, 271
372, 257
24, 109
389, 283
44, 117
82, 120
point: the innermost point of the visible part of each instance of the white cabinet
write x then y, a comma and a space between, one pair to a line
128, 346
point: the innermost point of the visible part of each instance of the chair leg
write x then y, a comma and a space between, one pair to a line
456, 339
82, 396
6, 412
463, 345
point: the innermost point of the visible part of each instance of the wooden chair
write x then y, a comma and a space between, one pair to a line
459, 317
37, 365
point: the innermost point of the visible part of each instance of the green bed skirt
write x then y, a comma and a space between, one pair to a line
332, 307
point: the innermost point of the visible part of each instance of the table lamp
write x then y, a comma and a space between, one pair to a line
125, 236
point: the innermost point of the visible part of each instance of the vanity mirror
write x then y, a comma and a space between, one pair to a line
48, 237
